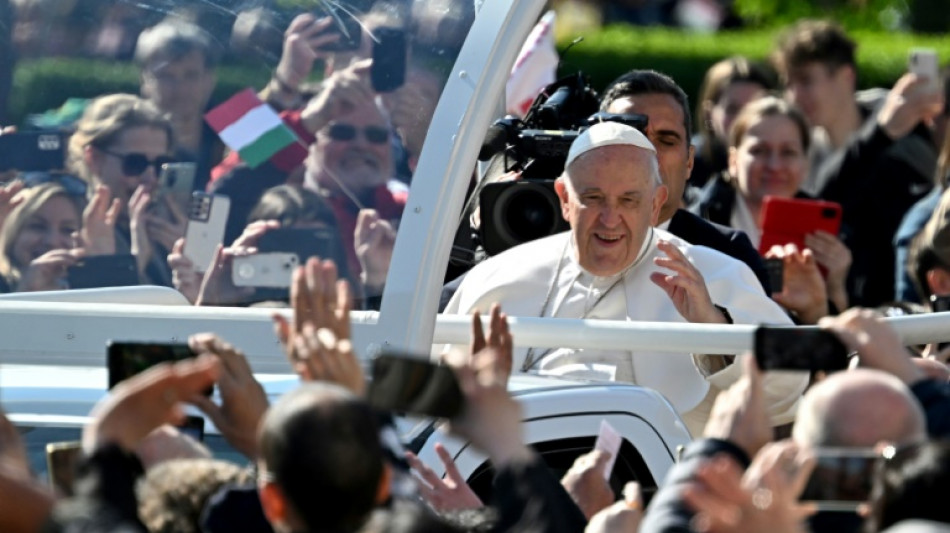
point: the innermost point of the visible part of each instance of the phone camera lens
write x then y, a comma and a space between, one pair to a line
246, 271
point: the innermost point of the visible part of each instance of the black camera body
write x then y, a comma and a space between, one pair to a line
515, 212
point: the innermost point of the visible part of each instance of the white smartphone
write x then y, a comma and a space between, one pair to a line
177, 181
207, 219
269, 270
923, 62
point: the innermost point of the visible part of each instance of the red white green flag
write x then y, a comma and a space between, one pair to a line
252, 129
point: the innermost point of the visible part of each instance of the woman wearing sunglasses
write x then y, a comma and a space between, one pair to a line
50, 228
121, 142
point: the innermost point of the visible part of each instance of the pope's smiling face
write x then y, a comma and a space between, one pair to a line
611, 198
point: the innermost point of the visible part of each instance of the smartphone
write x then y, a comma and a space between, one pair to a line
32, 151
126, 359
62, 459
269, 270
402, 383
924, 63
177, 181
324, 243
775, 268
792, 348
207, 222
842, 478
98, 271
349, 28
388, 72
789, 220
194, 427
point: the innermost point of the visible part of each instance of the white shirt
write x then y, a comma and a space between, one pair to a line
525, 280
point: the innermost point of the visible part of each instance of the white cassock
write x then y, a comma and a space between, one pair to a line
543, 278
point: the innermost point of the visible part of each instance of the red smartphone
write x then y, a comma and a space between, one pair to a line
788, 220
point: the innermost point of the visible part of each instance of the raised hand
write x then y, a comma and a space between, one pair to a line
585, 483
374, 240
47, 272
686, 287
739, 414
317, 343
165, 231
877, 344
97, 236
498, 338
342, 93
803, 289
146, 401
832, 254
243, 400
907, 104
623, 516
302, 42
185, 278
450, 493
138, 226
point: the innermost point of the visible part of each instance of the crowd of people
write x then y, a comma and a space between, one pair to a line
664, 227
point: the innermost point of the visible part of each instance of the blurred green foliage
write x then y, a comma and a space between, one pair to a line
852, 14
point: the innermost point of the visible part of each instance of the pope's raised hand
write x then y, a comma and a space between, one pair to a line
685, 286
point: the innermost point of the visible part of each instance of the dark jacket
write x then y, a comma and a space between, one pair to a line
667, 512
876, 180
934, 397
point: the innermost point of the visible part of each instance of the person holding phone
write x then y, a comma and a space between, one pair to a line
50, 229
121, 142
768, 156
876, 156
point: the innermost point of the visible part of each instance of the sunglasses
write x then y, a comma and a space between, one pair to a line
135, 164
73, 185
347, 132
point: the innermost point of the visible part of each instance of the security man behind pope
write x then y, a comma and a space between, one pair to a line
615, 265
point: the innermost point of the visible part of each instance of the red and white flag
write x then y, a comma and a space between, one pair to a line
252, 129
535, 68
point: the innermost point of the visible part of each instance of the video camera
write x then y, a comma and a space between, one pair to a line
515, 212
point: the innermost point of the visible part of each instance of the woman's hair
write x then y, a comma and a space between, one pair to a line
106, 118
912, 485
943, 160
719, 77
769, 106
34, 198
291, 204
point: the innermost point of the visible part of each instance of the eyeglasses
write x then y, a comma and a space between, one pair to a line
135, 164
74, 186
347, 132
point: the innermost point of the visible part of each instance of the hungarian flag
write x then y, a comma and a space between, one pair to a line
534, 69
253, 130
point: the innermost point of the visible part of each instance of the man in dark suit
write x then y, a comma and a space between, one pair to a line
659, 97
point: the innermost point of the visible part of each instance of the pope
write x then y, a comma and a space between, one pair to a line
614, 265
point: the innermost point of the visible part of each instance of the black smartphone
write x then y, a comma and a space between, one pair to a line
61, 461
194, 427
388, 72
402, 383
126, 359
842, 478
775, 268
791, 348
32, 151
347, 26
324, 243
98, 271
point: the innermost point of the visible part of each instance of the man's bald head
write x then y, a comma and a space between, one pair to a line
859, 408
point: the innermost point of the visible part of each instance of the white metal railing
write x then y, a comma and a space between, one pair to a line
71, 334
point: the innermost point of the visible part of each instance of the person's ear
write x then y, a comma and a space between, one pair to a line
273, 502
385, 482
938, 281
560, 187
659, 198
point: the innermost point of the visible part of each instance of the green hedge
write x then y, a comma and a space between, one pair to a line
45, 84
882, 57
